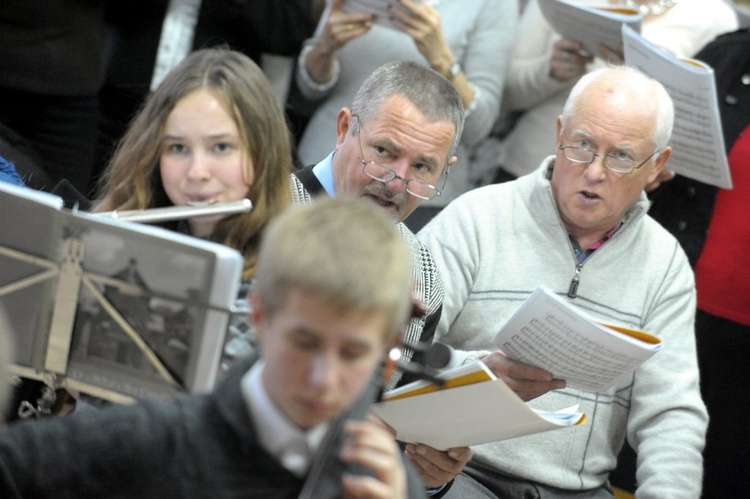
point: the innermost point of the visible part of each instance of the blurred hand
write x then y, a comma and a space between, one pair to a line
377, 421
436, 467
528, 382
612, 56
569, 60
373, 447
421, 22
342, 27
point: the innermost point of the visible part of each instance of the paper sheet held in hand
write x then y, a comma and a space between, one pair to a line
473, 407
554, 335
697, 141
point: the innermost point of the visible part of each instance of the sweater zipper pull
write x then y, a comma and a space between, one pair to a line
573, 290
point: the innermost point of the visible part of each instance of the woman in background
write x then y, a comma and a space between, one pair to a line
212, 132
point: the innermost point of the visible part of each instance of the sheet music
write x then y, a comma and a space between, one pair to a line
553, 335
471, 411
698, 150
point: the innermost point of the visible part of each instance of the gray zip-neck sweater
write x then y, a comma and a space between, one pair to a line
493, 247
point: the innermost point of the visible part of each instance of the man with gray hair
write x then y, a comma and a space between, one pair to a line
578, 226
393, 147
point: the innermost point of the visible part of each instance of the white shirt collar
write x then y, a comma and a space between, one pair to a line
323, 171
292, 446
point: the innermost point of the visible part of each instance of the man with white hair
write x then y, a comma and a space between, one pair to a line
578, 226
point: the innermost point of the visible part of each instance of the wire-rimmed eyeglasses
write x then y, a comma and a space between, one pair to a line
382, 173
618, 164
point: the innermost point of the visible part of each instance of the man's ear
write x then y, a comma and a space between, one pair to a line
659, 164
343, 125
559, 129
451, 162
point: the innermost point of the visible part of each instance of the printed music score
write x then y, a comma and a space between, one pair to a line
554, 335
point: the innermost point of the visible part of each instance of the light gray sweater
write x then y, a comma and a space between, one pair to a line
493, 247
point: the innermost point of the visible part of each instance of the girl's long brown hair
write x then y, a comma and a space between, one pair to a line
133, 181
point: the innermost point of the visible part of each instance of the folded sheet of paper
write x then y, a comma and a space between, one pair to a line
473, 407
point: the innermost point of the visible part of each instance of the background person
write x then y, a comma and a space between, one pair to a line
414, 120
213, 131
468, 41
52, 65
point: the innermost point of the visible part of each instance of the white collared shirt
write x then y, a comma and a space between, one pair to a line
292, 446
323, 171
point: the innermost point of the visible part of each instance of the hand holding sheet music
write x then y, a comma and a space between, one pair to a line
551, 334
472, 407
591, 26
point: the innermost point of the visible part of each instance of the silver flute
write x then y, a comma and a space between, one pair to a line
155, 215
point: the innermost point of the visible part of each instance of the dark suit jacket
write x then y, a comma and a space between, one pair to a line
198, 446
